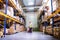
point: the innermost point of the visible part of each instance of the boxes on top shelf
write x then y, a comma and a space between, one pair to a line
58, 1
18, 6
55, 5
14, 1
10, 11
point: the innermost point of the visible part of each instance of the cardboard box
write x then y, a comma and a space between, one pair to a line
12, 29
49, 29
17, 27
14, 1
1, 33
57, 32
22, 28
58, 3
10, 11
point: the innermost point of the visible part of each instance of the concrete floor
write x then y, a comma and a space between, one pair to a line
28, 36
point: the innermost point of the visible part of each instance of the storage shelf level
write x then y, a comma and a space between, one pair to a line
7, 16
55, 13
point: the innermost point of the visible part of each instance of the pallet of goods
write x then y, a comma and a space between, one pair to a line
11, 29
57, 32
49, 29
41, 28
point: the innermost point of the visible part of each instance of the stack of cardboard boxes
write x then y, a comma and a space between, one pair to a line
19, 28
22, 28
41, 28
11, 29
14, 1
10, 11
49, 29
58, 2
57, 32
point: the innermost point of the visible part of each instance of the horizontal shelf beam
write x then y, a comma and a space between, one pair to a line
7, 16
55, 13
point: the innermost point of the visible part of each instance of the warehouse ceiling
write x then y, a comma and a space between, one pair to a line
30, 5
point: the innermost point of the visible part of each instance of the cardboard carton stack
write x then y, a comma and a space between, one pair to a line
11, 29
58, 2
14, 1
10, 11
22, 28
41, 28
17, 28
16, 17
1, 32
57, 32
49, 30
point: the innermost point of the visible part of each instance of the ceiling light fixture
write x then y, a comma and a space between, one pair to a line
30, 2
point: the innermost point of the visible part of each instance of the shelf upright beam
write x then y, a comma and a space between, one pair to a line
5, 17
15, 25
52, 17
15, 22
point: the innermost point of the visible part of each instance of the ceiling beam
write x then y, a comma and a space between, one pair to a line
31, 7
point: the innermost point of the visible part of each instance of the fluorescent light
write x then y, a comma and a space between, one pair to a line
30, 2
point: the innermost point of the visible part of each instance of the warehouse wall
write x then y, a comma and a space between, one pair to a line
31, 16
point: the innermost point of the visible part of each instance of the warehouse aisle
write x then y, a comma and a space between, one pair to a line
28, 36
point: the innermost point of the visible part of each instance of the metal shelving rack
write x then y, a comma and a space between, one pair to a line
53, 17
10, 3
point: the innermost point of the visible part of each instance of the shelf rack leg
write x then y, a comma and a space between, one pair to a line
5, 18
45, 24
52, 17
15, 25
